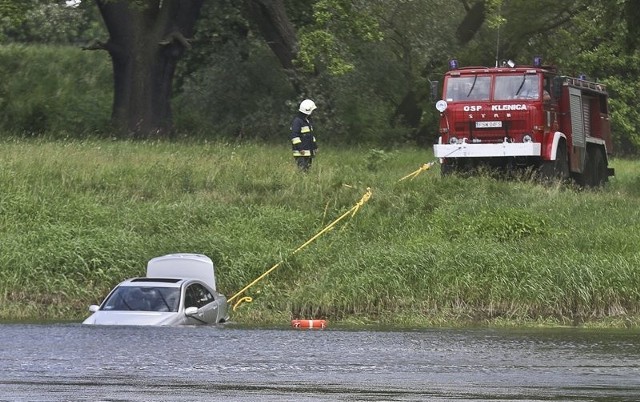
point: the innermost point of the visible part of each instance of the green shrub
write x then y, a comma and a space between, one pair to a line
61, 91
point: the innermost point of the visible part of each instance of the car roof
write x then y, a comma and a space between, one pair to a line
183, 265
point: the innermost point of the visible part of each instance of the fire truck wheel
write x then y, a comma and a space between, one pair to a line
562, 162
585, 179
557, 169
595, 169
599, 175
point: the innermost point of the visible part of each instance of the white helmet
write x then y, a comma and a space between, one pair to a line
307, 106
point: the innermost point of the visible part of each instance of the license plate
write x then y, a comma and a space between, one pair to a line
488, 124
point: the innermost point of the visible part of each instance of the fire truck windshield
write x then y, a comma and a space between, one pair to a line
509, 87
472, 87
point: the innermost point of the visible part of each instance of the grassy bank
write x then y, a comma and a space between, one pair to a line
78, 217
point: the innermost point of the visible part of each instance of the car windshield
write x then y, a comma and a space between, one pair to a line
470, 87
143, 298
517, 87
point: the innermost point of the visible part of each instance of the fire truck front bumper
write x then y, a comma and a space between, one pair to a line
503, 149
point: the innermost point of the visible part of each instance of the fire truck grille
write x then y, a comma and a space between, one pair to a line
491, 139
510, 129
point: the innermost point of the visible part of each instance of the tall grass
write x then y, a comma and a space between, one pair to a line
77, 217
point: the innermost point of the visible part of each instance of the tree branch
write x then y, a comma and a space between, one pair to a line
95, 45
176, 36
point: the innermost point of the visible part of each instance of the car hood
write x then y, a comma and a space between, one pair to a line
133, 318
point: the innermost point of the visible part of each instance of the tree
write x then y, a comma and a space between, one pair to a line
511, 29
146, 40
604, 47
52, 22
317, 44
277, 30
420, 38
12, 14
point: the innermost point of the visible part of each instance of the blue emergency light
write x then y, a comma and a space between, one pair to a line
453, 64
537, 61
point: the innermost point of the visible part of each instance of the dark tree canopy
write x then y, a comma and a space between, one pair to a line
370, 64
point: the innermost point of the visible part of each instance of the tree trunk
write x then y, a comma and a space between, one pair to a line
473, 20
146, 40
279, 33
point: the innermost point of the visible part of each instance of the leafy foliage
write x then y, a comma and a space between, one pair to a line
12, 14
38, 21
236, 97
324, 43
368, 64
60, 91
600, 50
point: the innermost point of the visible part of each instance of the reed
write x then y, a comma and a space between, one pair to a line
79, 216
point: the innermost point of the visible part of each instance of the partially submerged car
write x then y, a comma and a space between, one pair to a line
178, 289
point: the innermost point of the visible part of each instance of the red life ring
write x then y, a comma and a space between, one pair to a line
309, 324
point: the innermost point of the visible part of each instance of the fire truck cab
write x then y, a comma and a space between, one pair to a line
524, 117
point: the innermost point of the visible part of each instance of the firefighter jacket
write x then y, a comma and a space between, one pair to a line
303, 141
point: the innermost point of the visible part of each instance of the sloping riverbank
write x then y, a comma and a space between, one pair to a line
80, 216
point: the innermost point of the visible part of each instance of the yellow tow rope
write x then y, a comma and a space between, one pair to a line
422, 168
351, 211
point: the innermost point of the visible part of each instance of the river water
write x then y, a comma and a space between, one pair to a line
72, 362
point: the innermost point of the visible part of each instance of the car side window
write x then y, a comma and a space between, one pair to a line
197, 296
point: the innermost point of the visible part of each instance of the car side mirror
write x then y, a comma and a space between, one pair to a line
189, 311
434, 90
93, 308
557, 87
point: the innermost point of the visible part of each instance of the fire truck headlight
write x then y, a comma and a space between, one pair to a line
441, 105
527, 138
453, 140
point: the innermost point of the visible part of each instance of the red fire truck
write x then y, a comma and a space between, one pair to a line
530, 117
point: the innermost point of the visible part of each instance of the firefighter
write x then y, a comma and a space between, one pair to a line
303, 141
